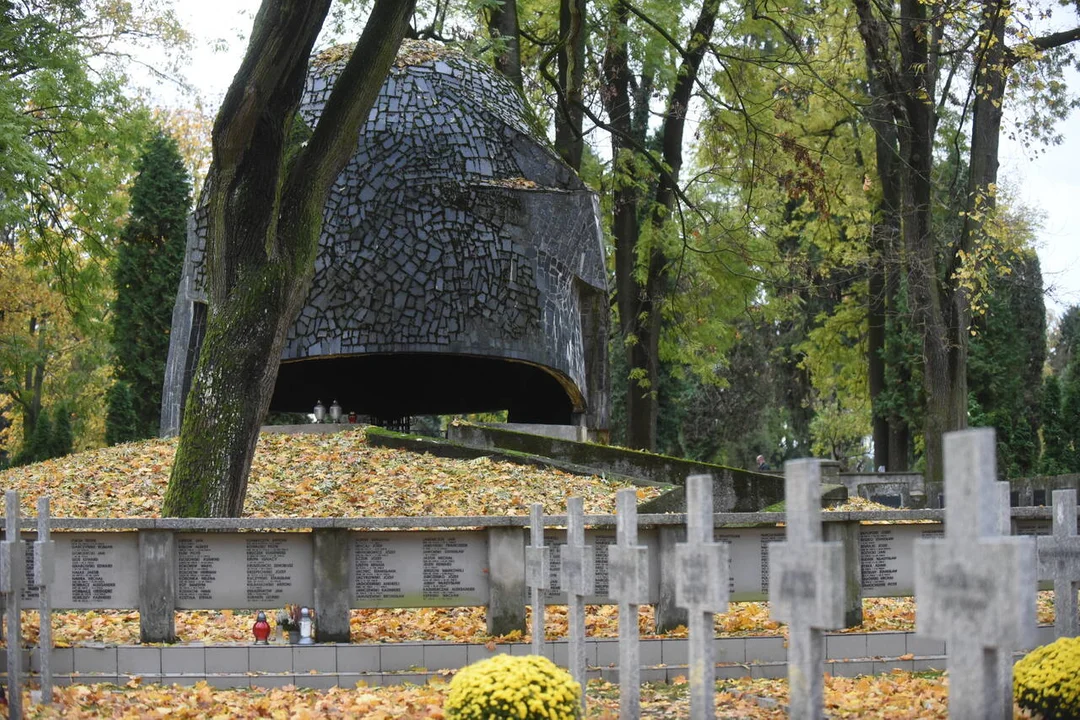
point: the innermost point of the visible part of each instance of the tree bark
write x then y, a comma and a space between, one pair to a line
267, 188
640, 270
503, 27
569, 141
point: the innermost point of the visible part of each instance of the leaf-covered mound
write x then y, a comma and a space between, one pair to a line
317, 475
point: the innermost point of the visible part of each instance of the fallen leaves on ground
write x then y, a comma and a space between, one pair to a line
315, 475
462, 624
894, 696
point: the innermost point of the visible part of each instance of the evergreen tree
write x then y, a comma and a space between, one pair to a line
121, 424
1006, 361
146, 276
1053, 460
38, 443
63, 437
1070, 416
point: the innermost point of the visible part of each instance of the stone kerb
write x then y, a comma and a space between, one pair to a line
975, 588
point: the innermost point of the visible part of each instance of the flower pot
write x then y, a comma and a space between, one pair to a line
294, 636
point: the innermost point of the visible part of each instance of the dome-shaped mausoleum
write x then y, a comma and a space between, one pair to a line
460, 269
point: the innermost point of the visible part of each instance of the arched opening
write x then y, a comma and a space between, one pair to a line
404, 384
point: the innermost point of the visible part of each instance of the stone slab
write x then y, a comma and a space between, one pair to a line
243, 571
419, 569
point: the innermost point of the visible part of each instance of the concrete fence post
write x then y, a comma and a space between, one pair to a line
668, 614
506, 576
847, 533
157, 586
331, 573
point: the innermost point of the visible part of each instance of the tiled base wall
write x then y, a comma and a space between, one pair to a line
324, 666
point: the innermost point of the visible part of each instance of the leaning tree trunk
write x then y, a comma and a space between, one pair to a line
268, 185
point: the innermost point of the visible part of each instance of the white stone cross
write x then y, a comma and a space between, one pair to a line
702, 571
577, 568
44, 551
975, 588
12, 581
628, 582
806, 587
537, 569
1059, 560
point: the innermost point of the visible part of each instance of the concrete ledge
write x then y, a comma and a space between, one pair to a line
343, 665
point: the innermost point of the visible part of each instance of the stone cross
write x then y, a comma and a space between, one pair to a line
975, 588
44, 552
628, 573
702, 572
537, 567
806, 587
578, 579
1059, 560
1003, 506
12, 580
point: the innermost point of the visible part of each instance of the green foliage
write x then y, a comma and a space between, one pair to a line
121, 423
1066, 338
1054, 460
1047, 680
146, 275
63, 436
509, 687
1005, 362
1070, 416
38, 444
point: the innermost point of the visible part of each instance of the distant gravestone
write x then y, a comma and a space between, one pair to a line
806, 587
702, 569
537, 564
975, 588
577, 562
12, 581
628, 572
1059, 560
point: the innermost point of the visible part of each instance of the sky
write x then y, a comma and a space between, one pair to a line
1048, 181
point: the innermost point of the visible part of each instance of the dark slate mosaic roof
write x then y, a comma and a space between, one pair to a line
452, 229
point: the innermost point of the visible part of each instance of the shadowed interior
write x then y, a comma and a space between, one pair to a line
405, 384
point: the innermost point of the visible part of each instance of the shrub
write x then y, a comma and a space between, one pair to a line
1047, 680
502, 687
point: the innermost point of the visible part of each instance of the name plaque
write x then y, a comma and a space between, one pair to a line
419, 569
93, 570
257, 571
601, 540
749, 551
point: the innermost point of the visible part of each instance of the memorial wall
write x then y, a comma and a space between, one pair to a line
257, 570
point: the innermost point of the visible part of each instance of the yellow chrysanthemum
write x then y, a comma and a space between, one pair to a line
506, 687
1047, 680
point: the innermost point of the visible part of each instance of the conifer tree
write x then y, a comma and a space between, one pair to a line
121, 425
146, 276
1053, 460
63, 436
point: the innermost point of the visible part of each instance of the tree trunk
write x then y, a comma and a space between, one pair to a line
639, 300
267, 185
503, 27
569, 142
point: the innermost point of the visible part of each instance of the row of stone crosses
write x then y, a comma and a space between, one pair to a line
976, 588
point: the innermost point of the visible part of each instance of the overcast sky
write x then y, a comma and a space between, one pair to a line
1049, 182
